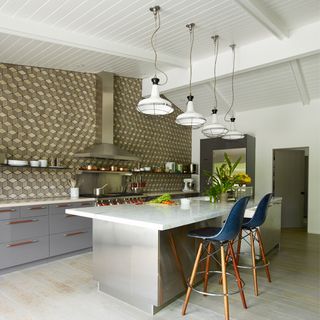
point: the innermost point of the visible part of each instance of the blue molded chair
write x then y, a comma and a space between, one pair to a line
224, 236
251, 229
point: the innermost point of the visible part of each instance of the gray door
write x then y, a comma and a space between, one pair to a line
289, 183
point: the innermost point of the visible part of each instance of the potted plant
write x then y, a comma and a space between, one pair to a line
222, 180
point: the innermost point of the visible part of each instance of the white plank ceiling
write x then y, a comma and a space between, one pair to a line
265, 87
114, 35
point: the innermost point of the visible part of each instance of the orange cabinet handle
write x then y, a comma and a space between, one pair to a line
37, 208
71, 234
7, 210
23, 221
21, 243
63, 205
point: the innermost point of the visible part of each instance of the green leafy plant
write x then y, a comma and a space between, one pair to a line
163, 198
222, 180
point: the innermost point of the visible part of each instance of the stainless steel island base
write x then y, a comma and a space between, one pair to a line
140, 266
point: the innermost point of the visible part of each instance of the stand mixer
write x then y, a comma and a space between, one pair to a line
188, 185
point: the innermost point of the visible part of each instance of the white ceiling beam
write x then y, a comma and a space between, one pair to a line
43, 32
265, 17
300, 81
303, 42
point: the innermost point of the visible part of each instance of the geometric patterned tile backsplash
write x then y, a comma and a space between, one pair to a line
155, 139
48, 113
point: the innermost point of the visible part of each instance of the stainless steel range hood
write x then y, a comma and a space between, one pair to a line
104, 147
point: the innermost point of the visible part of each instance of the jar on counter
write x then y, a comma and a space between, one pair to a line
179, 167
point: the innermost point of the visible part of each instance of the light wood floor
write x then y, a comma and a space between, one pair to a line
65, 290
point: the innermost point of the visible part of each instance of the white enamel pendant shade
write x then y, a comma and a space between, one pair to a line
155, 105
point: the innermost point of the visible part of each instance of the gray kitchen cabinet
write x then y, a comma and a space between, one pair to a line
24, 235
30, 233
70, 241
61, 222
68, 233
9, 213
32, 211
23, 228
23, 251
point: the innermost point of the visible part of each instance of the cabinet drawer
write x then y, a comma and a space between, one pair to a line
83, 204
70, 241
59, 208
23, 251
23, 228
61, 222
9, 213
34, 211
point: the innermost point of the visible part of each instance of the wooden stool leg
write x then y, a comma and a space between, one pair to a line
239, 247
263, 255
236, 271
177, 259
207, 269
193, 275
224, 283
227, 259
254, 270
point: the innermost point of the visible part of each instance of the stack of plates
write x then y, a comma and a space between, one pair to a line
17, 163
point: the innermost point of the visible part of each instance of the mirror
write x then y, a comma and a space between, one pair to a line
234, 154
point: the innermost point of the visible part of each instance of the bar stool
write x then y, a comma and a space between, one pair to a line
251, 228
224, 236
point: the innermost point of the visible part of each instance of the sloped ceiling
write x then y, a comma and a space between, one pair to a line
114, 36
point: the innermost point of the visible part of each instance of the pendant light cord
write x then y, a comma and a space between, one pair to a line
156, 15
232, 84
215, 52
191, 28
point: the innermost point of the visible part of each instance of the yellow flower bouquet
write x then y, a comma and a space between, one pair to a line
242, 178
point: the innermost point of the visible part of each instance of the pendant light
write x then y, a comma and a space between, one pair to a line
233, 133
190, 117
155, 105
214, 129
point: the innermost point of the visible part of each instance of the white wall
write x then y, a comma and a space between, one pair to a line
286, 126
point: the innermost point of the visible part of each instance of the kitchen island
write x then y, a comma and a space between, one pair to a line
141, 253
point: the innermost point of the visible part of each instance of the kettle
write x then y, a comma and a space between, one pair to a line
98, 191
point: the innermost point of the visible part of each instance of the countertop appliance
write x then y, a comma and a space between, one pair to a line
170, 167
188, 185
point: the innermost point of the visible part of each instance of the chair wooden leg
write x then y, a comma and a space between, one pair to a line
263, 255
236, 271
239, 247
224, 283
254, 270
193, 275
207, 268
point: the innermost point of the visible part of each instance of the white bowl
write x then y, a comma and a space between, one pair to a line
147, 168
18, 163
34, 163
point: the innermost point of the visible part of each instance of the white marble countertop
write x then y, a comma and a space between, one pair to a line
159, 217
41, 201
